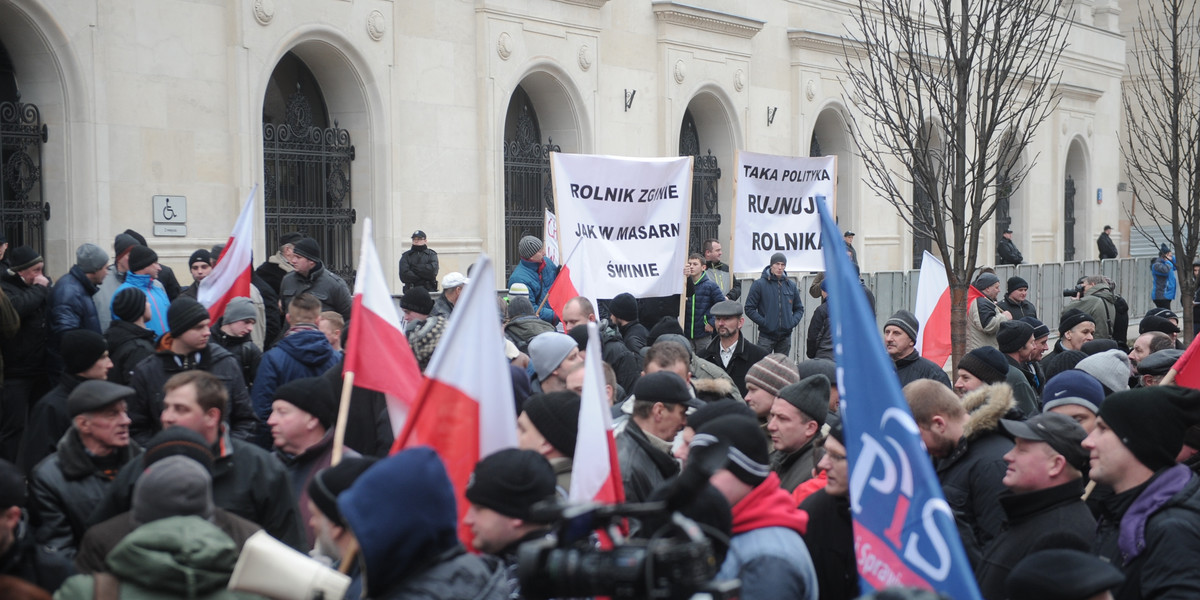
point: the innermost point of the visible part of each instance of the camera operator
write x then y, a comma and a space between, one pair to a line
501, 491
1095, 297
766, 552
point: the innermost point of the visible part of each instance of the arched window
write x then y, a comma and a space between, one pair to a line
23, 212
307, 167
528, 191
706, 176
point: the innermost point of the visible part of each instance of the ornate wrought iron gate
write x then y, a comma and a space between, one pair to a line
527, 186
706, 175
307, 184
23, 212
1069, 220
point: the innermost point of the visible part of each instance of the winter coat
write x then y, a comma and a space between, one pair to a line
1162, 277
25, 352
243, 349
326, 285
273, 270
702, 369
643, 466
149, 376
796, 467
104, 295
10, 324
369, 426
128, 345
102, 537
67, 485
719, 272
176, 557
441, 307
702, 295
301, 468
48, 422
1025, 399
830, 541
745, 355
1152, 533
983, 322
914, 367
1007, 253
419, 268
971, 475
303, 352
156, 295
626, 364
1106, 246
634, 334
270, 312
71, 305
1031, 518
28, 560
1099, 302
538, 277
766, 551
246, 481
522, 329
774, 304
819, 342
1018, 310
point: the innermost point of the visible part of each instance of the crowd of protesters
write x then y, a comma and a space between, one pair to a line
140, 439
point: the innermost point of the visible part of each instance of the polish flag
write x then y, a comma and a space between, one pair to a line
1187, 368
933, 310
465, 409
377, 352
561, 291
596, 474
230, 278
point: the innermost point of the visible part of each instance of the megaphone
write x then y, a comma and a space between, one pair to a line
271, 568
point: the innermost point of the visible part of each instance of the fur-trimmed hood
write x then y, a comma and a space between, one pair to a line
714, 389
986, 406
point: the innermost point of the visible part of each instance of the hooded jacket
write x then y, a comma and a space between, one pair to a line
243, 348
176, 557
766, 551
326, 285
522, 329
156, 295
71, 305
774, 304
414, 552
1162, 277
971, 475
128, 345
303, 352
1099, 302
149, 376
983, 322
702, 295
25, 352
538, 277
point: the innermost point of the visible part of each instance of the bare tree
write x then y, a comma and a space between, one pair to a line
1161, 146
950, 93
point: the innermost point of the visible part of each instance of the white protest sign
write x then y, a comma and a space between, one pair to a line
629, 217
551, 229
775, 210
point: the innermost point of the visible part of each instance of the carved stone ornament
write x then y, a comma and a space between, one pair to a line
504, 46
376, 25
739, 80
1064, 128
264, 11
810, 90
680, 71
1089, 131
585, 57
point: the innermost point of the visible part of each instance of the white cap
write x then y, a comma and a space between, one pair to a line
453, 280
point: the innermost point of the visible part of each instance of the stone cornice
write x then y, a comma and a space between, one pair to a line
675, 13
1073, 91
819, 41
588, 3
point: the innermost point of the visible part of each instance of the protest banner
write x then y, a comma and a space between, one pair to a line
775, 210
629, 218
551, 229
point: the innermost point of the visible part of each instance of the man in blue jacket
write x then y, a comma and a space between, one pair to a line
303, 352
774, 305
537, 273
1162, 275
702, 294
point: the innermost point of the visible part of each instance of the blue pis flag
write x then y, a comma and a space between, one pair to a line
904, 532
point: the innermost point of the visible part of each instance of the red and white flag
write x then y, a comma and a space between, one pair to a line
1187, 369
561, 291
465, 409
231, 277
933, 310
595, 474
377, 351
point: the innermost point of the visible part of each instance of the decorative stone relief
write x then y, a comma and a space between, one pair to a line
376, 25
1089, 130
264, 11
585, 57
810, 90
504, 46
680, 71
739, 80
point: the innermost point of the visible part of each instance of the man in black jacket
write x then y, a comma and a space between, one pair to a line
26, 375
644, 446
1105, 244
1016, 300
900, 338
419, 265
20, 556
1045, 475
623, 312
1006, 250
830, 535
729, 349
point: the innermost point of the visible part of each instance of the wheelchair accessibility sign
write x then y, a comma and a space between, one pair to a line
170, 215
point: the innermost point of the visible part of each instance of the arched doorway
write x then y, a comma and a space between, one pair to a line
306, 161
528, 192
831, 137
23, 211
1075, 179
924, 194
706, 177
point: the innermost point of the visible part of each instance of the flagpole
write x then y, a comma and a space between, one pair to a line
578, 240
339, 431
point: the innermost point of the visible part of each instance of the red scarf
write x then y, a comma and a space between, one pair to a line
768, 505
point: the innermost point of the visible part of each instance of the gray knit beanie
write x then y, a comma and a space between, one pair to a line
172, 487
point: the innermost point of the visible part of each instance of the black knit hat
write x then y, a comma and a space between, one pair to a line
200, 255
717, 409
985, 281
23, 257
1072, 317
779, 257
1040, 330
80, 349
183, 314
1013, 335
1063, 361
1155, 323
510, 481
178, 441
1015, 283
1093, 347
123, 243
986, 363
311, 395
742, 440
556, 416
838, 433
290, 237
1151, 421
907, 322
810, 396
141, 257
129, 304
328, 483
664, 326
308, 248
417, 300
624, 306
139, 238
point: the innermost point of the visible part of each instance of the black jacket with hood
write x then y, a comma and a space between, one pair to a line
152, 373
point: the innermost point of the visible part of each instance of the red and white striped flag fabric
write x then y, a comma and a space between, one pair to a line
231, 277
595, 474
465, 409
377, 351
933, 310
561, 291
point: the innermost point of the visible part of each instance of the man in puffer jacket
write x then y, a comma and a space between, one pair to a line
774, 305
702, 294
1162, 275
71, 305
537, 273
403, 513
143, 269
303, 352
